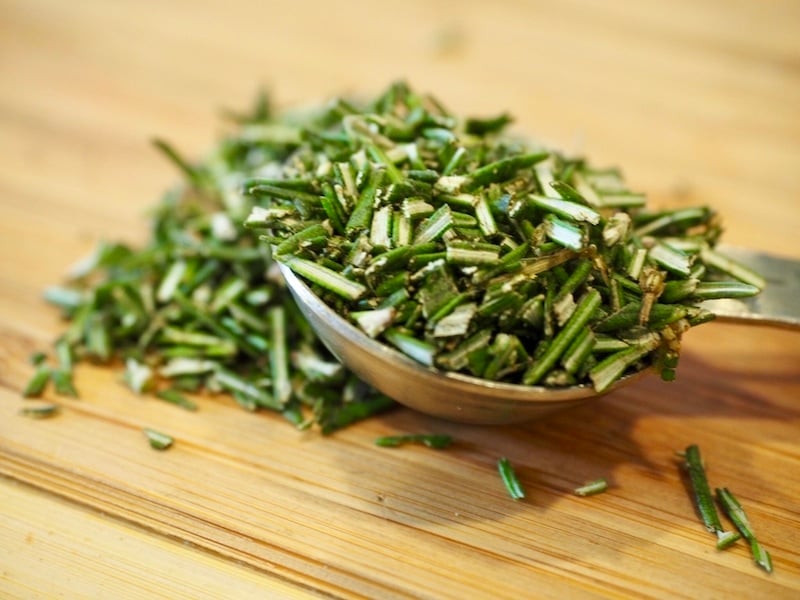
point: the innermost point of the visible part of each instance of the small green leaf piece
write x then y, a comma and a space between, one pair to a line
158, 440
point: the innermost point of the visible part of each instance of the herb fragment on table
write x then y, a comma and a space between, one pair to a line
426, 230
437, 441
704, 501
62, 381
731, 506
37, 358
39, 410
158, 440
173, 396
38, 382
598, 486
509, 479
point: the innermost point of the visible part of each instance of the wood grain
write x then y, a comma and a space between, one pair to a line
81, 548
699, 103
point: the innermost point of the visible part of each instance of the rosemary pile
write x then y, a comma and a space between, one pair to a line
466, 248
198, 308
477, 252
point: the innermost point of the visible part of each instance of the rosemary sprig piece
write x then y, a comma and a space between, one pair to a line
175, 397
730, 504
704, 501
437, 441
158, 440
38, 382
39, 410
509, 479
598, 486
326, 278
332, 415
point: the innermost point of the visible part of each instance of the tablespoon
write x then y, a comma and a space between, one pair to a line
467, 399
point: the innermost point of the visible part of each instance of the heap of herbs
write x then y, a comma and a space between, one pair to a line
468, 249
477, 252
199, 308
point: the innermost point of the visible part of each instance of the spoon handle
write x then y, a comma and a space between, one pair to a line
777, 305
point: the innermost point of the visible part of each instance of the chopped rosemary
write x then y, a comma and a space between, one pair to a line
39, 410
173, 396
441, 236
426, 231
198, 307
730, 504
37, 383
509, 478
37, 358
437, 441
62, 380
704, 501
158, 440
598, 486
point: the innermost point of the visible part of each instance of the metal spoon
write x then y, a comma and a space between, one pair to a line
468, 399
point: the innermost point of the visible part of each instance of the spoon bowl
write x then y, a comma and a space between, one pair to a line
443, 394
467, 399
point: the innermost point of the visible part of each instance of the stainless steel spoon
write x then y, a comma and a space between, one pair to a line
468, 399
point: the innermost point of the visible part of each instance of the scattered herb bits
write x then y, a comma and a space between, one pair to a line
39, 410
730, 506
703, 499
429, 232
158, 440
200, 308
38, 382
175, 397
437, 441
598, 486
509, 479
733, 509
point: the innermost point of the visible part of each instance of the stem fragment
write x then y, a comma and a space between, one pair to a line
704, 501
509, 479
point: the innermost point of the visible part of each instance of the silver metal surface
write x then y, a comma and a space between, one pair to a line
778, 305
468, 399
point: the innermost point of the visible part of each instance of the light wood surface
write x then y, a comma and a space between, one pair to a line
62, 550
699, 102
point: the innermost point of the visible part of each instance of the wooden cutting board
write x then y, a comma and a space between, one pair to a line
700, 101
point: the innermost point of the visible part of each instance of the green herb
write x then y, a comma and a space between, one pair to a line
352, 402
37, 358
138, 376
158, 440
62, 380
597, 486
196, 308
61, 376
37, 383
509, 478
175, 397
39, 410
437, 441
704, 501
326, 278
576, 323
736, 513
426, 232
